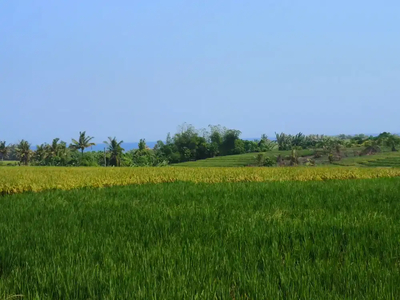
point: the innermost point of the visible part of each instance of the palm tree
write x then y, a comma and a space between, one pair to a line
40, 154
24, 152
325, 144
284, 141
53, 148
115, 149
83, 142
3, 149
62, 152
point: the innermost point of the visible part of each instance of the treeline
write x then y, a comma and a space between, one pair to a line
186, 145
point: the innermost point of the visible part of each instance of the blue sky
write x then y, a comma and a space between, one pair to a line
138, 69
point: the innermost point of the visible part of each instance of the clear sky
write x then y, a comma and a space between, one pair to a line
138, 69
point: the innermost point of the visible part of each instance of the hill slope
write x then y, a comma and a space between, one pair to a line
239, 160
383, 159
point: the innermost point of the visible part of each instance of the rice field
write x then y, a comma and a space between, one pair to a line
384, 159
337, 239
393, 162
36, 179
200, 233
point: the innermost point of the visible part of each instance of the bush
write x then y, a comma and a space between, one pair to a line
268, 162
264, 161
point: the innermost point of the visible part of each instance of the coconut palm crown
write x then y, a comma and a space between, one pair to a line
115, 149
83, 142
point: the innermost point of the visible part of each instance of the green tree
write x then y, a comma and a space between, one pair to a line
144, 157
359, 139
3, 149
299, 140
216, 138
392, 141
229, 144
167, 152
187, 141
142, 145
53, 148
239, 147
54, 154
115, 149
265, 144
63, 154
284, 141
325, 144
83, 142
40, 155
251, 146
24, 152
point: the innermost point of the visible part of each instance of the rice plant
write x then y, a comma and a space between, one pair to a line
184, 240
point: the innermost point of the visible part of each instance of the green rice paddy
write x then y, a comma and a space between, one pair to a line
276, 240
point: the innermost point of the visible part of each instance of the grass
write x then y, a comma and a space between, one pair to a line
239, 160
181, 240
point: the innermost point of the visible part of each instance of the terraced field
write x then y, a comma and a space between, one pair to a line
240, 160
385, 159
393, 162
